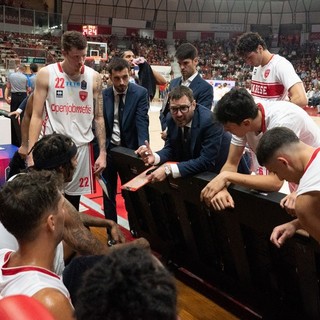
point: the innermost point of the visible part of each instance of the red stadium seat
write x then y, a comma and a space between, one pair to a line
20, 307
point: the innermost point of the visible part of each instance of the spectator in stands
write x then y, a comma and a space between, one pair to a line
248, 122
281, 151
195, 140
147, 77
310, 94
273, 76
126, 118
187, 56
129, 283
73, 95
29, 270
17, 86
315, 100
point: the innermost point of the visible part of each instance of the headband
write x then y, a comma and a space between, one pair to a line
56, 161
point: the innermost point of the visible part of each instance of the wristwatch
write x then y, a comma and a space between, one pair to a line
167, 170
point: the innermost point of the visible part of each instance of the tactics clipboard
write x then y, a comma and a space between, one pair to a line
139, 181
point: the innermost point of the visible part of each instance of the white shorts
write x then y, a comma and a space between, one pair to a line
83, 179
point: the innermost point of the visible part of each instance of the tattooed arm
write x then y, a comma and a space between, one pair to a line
77, 236
81, 240
115, 232
100, 130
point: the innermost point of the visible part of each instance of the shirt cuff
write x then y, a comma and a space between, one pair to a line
156, 159
19, 110
175, 171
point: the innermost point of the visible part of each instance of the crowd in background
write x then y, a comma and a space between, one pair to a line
217, 58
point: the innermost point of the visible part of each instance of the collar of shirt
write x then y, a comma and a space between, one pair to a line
116, 93
187, 82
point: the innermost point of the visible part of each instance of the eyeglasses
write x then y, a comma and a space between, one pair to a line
183, 108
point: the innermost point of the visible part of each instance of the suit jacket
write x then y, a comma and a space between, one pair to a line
209, 144
202, 93
135, 119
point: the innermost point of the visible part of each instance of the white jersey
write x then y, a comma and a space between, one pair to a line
8, 241
283, 114
272, 81
27, 280
69, 105
310, 181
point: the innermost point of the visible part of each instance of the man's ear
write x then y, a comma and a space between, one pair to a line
246, 122
283, 161
50, 222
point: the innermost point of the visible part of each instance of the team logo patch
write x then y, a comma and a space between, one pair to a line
266, 73
83, 85
83, 95
59, 93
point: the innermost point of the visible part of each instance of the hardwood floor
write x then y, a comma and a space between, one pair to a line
191, 304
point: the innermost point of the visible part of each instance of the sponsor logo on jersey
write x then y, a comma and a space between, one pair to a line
266, 73
83, 95
59, 93
70, 108
72, 84
83, 85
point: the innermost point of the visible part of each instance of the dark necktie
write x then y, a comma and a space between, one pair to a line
120, 115
185, 143
120, 109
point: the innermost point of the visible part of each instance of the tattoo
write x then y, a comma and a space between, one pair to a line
77, 236
98, 114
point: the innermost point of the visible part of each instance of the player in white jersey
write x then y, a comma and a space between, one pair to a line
273, 76
73, 98
281, 151
27, 280
37, 196
248, 122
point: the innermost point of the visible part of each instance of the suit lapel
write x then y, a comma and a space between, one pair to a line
195, 128
109, 108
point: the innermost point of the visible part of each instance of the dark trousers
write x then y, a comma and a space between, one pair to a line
16, 99
110, 174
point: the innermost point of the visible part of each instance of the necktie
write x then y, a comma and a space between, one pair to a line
120, 114
120, 109
185, 144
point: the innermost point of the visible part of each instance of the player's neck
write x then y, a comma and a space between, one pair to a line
267, 56
71, 73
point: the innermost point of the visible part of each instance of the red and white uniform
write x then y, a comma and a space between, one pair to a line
310, 180
272, 81
70, 111
27, 280
281, 114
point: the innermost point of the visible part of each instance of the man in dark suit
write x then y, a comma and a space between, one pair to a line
125, 107
187, 56
195, 140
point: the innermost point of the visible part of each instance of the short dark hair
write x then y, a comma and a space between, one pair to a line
236, 106
34, 67
179, 92
186, 51
118, 64
73, 39
273, 140
249, 42
54, 151
26, 199
127, 283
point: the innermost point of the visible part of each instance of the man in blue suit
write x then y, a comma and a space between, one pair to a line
187, 56
195, 140
125, 107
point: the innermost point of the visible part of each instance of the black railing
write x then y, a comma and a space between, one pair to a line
229, 251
